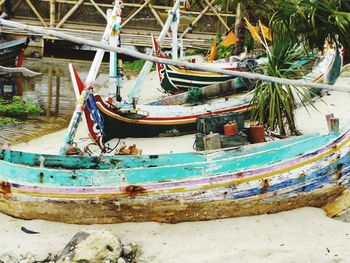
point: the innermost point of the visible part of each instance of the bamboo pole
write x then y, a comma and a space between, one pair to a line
217, 14
49, 92
193, 66
157, 7
58, 86
99, 9
154, 12
69, 13
36, 13
52, 13
135, 13
197, 19
17, 5
148, 65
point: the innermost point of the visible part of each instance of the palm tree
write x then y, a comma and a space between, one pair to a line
274, 104
315, 22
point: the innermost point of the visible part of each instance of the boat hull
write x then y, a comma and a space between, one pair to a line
10, 51
172, 211
118, 126
251, 180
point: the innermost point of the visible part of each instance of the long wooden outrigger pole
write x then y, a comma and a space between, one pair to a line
113, 20
132, 53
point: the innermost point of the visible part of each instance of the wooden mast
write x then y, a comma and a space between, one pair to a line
77, 115
148, 65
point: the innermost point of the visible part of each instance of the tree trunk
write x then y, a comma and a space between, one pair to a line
239, 30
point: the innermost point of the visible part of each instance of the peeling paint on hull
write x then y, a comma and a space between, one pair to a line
173, 211
251, 180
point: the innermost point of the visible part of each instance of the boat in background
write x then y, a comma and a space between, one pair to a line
12, 52
163, 117
175, 79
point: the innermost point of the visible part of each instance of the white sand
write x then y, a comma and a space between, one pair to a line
301, 235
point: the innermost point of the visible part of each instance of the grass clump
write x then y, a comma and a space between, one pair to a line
135, 65
18, 108
4, 121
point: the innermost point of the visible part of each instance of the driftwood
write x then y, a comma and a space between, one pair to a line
128, 52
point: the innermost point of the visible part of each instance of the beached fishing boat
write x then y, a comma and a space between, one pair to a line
251, 180
176, 79
157, 118
263, 178
12, 52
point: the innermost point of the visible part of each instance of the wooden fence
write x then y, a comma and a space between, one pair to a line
203, 19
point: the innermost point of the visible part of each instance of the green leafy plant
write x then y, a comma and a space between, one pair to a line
4, 121
133, 65
18, 108
274, 104
315, 22
195, 96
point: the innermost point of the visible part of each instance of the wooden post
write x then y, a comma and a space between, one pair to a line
59, 11
52, 13
36, 13
49, 91
69, 13
174, 28
58, 86
238, 19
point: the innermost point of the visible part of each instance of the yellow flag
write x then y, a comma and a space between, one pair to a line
229, 40
253, 30
212, 54
266, 31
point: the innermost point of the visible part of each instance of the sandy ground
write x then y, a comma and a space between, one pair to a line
302, 235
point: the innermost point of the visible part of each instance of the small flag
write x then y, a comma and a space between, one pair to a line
265, 31
253, 30
229, 40
212, 54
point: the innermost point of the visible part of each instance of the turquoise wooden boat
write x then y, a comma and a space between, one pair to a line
255, 179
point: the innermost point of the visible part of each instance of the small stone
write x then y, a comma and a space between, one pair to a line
127, 250
91, 246
7, 258
121, 260
27, 258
